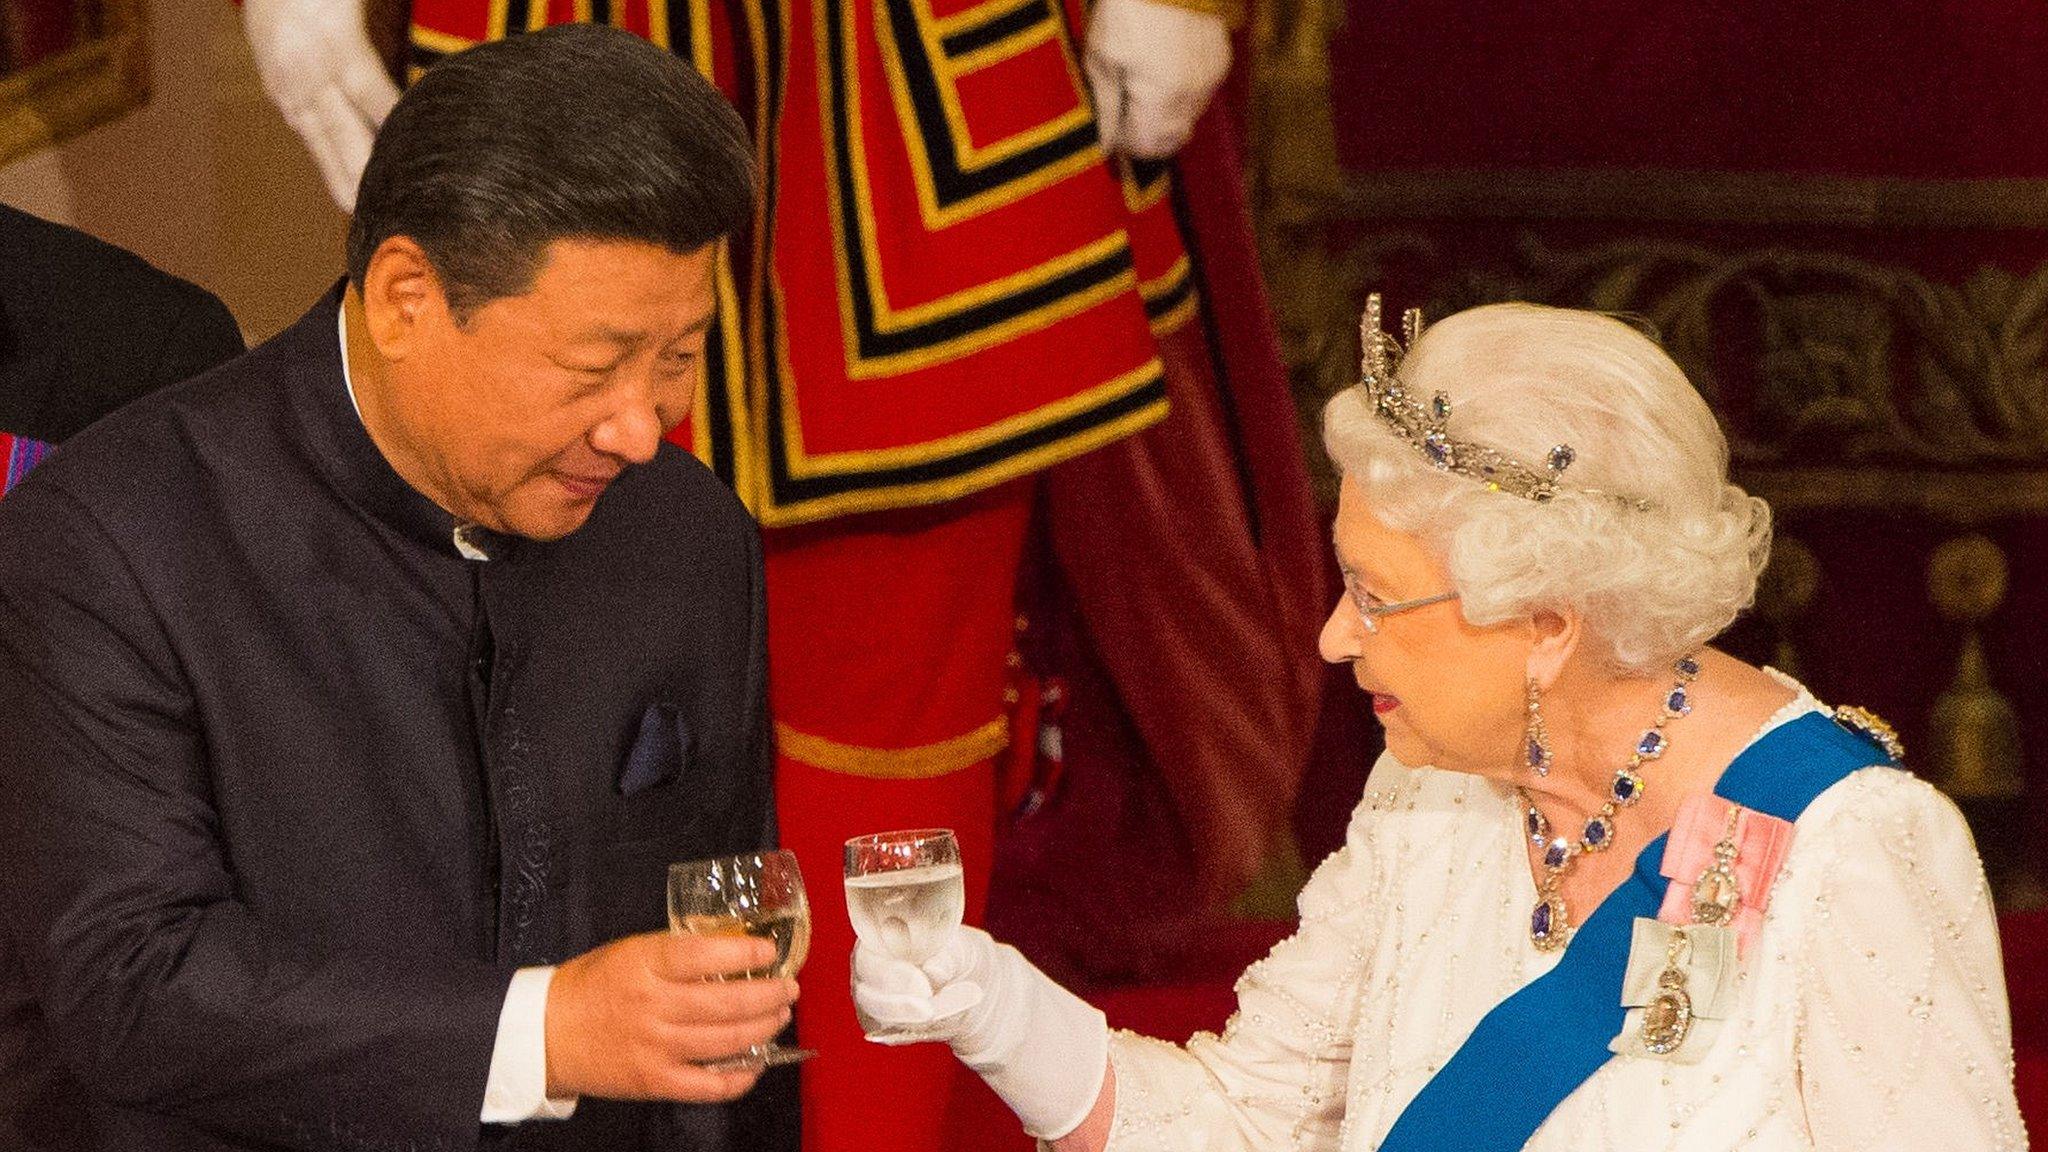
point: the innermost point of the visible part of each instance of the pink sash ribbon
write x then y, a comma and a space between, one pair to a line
1761, 843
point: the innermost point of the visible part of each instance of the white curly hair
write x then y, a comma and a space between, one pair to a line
1650, 584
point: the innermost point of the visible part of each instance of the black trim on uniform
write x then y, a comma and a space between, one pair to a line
996, 29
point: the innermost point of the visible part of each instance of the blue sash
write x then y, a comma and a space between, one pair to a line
1540, 1044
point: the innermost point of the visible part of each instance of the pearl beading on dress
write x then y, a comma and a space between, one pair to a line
1412, 932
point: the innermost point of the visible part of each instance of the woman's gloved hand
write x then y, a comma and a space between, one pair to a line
1043, 1049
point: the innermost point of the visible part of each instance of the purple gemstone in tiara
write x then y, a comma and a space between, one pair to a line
1437, 448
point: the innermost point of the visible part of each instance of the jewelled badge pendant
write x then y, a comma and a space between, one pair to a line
1717, 893
1668, 1017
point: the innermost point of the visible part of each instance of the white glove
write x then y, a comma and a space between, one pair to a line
1152, 68
320, 70
1043, 1049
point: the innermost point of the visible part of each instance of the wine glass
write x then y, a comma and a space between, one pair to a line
753, 894
905, 895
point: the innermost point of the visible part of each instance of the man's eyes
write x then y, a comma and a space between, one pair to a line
667, 362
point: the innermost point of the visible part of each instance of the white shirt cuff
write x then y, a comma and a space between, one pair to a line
517, 1088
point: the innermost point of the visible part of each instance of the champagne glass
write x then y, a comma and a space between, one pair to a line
753, 894
905, 895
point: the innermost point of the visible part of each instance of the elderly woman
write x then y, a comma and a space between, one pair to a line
1609, 887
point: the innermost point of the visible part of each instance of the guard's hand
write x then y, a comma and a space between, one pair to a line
1152, 68
636, 1018
320, 70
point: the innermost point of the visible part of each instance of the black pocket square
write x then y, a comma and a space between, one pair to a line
659, 750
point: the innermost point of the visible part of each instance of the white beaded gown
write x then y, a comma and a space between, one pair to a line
1871, 1012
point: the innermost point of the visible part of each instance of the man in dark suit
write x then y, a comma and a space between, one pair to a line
354, 696
86, 327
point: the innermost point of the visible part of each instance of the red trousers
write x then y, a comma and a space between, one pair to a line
889, 645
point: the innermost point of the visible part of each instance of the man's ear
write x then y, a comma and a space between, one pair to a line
403, 297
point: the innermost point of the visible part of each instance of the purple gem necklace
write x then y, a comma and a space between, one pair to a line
1550, 925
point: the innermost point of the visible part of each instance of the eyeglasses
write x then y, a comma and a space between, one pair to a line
1371, 609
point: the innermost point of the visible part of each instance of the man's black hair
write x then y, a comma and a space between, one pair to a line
579, 131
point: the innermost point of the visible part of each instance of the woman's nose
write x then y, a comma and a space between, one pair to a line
1339, 641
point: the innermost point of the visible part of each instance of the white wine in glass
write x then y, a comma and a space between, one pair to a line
754, 894
904, 891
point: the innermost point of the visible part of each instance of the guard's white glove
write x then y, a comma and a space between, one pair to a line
320, 70
1043, 1049
1152, 68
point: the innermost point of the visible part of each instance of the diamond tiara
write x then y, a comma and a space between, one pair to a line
1422, 424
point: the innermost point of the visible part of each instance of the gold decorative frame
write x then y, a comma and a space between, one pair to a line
1878, 387
1981, 345
85, 86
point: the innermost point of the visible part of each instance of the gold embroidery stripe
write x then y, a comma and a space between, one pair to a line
1171, 322
888, 319
751, 468
442, 42
887, 496
701, 48
966, 157
1140, 198
966, 18
1015, 44
1166, 281
920, 763
891, 318
990, 335
802, 464
949, 71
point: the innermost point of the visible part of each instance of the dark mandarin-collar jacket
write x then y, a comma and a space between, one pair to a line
288, 787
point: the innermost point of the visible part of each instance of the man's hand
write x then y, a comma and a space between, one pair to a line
633, 1019
320, 70
1152, 68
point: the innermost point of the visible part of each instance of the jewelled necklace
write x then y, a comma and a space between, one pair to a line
1550, 925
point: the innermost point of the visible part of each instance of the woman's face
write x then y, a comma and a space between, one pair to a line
1449, 694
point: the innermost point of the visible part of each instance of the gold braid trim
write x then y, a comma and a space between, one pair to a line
1231, 12
920, 763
